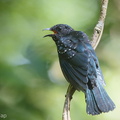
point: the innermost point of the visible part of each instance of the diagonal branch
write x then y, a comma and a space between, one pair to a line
66, 109
98, 30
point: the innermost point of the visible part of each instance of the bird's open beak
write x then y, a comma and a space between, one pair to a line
46, 29
49, 35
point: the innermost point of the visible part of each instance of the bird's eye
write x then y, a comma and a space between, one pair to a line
59, 29
66, 27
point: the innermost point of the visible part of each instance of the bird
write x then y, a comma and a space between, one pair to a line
80, 67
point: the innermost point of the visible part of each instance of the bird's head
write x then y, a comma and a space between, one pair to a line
59, 30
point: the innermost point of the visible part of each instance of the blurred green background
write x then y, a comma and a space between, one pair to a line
32, 86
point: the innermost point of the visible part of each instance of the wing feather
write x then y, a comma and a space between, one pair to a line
72, 76
83, 68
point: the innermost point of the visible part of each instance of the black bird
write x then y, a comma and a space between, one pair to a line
81, 68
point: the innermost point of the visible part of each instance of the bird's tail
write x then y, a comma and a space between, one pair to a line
98, 100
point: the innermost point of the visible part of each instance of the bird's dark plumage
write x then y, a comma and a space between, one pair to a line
80, 67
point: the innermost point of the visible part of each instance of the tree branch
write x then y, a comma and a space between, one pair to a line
98, 30
66, 109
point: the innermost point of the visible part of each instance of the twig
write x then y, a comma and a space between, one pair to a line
98, 30
66, 109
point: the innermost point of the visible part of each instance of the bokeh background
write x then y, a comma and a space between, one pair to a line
32, 86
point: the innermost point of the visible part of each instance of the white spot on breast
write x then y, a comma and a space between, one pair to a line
74, 48
65, 45
62, 52
69, 57
73, 54
61, 41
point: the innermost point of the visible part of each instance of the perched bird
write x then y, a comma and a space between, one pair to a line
81, 68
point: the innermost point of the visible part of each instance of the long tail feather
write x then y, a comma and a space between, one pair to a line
98, 100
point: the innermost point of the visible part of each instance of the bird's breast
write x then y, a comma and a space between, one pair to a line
67, 49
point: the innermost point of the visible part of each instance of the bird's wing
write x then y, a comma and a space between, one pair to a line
74, 76
82, 68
